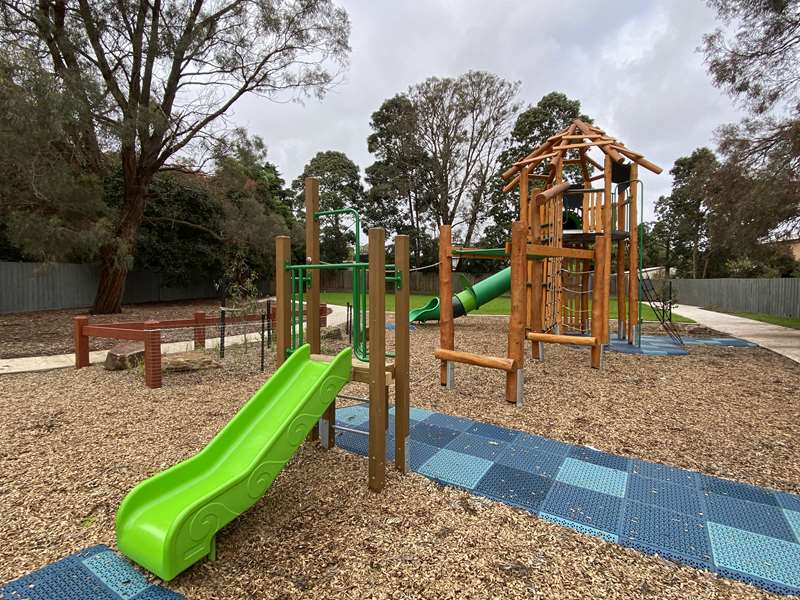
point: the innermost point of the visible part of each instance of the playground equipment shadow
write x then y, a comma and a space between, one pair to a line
736, 530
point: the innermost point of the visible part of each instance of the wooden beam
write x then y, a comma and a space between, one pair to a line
311, 193
524, 195
283, 250
653, 168
552, 338
516, 324
583, 145
534, 160
556, 251
598, 283
633, 257
377, 359
402, 344
551, 192
607, 246
446, 331
478, 360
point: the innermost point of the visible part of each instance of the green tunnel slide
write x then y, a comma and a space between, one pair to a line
169, 521
467, 300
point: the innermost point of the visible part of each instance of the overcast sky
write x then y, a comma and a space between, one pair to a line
632, 64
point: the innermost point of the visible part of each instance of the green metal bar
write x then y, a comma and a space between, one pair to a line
300, 285
292, 310
341, 211
481, 251
334, 266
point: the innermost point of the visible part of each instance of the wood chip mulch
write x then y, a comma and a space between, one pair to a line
73, 443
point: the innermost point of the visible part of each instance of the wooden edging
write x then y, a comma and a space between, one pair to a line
478, 360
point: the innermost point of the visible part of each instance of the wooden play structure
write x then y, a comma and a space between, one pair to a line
297, 285
561, 252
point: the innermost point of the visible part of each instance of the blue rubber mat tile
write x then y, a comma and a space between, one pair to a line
353, 416
419, 414
604, 459
666, 533
513, 486
419, 453
449, 421
537, 442
586, 507
793, 517
433, 434
790, 501
116, 574
493, 432
97, 573
475, 445
651, 470
352, 442
734, 489
768, 560
530, 460
455, 468
749, 516
609, 537
593, 477
656, 492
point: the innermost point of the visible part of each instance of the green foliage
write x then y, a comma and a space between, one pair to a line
399, 197
51, 200
719, 219
339, 187
685, 212
181, 229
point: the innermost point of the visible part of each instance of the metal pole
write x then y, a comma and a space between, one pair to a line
269, 324
222, 332
263, 325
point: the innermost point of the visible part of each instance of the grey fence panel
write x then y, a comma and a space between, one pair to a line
26, 287
779, 297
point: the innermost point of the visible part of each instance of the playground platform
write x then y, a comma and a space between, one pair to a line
736, 530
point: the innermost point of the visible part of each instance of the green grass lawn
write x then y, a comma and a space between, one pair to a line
792, 322
498, 306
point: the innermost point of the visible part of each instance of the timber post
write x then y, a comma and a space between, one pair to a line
377, 359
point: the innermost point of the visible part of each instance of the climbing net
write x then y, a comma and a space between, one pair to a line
575, 296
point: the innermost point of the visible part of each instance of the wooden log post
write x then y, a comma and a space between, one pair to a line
516, 323
446, 327
152, 354
633, 258
199, 329
535, 280
81, 342
597, 302
326, 431
607, 246
283, 250
377, 359
402, 344
621, 292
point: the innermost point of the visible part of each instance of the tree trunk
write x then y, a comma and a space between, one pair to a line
114, 256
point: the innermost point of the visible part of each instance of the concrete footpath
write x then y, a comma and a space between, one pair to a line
337, 316
783, 340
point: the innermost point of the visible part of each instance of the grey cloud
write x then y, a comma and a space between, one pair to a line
632, 64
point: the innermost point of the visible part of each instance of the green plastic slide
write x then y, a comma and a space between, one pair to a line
467, 300
168, 522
